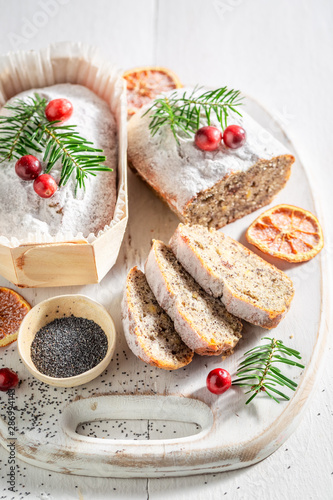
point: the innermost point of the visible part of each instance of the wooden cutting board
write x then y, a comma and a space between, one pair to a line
139, 421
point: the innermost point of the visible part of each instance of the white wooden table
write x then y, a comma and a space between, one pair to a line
279, 52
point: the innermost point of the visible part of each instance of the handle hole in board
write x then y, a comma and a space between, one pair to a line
138, 429
133, 418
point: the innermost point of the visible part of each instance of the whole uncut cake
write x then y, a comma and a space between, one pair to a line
70, 213
211, 188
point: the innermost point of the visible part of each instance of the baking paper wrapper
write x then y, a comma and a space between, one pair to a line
78, 64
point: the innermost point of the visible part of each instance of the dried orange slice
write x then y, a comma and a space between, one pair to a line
13, 308
287, 232
145, 83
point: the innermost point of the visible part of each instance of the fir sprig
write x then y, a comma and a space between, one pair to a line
15, 138
27, 130
182, 113
259, 371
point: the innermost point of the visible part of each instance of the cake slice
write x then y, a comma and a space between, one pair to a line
211, 188
149, 331
202, 321
249, 287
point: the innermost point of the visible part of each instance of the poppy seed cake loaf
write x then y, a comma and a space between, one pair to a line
149, 331
30, 218
249, 287
209, 188
202, 321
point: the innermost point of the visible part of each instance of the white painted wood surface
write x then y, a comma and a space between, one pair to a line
279, 52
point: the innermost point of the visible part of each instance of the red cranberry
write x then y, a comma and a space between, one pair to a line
45, 186
218, 381
234, 137
28, 167
208, 138
59, 109
8, 379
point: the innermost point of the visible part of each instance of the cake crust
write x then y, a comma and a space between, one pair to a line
202, 321
149, 332
249, 287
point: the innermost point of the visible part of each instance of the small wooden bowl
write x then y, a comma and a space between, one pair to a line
60, 307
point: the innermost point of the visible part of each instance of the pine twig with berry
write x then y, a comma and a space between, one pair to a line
35, 126
182, 113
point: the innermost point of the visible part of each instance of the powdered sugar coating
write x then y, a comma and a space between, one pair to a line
23, 214
181, 171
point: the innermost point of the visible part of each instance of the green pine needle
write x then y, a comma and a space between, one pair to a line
183, 113
259, 371
27, 130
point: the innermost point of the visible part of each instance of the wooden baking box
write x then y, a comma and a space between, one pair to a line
76, 262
